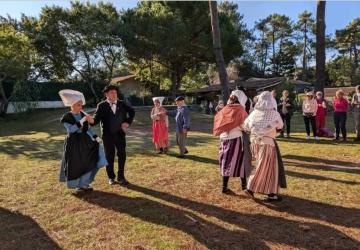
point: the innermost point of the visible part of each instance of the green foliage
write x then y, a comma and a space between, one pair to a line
341, 72
177, 35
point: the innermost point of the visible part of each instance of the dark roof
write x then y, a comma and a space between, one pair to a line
252, 83
121, 79
257, 84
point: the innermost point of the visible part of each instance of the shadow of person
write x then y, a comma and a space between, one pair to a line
343, 216
319, 177
277, 229
209, 234
19, 231
260, 229
198, 158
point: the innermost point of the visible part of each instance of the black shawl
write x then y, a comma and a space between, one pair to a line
282, 177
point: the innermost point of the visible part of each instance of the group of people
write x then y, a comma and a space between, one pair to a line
247, 132
85, 152
314, 110
250, 137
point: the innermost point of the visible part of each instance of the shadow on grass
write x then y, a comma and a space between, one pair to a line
330, 165
41, 149
259, 228
197, 158
319, 177
18, 231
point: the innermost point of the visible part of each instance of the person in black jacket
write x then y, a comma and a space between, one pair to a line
115, 117
285, 108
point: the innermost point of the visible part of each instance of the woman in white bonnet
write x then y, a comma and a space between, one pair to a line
263, 124
234, 153
160, 126
83, 153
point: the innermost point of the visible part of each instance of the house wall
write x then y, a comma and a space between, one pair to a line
130, 87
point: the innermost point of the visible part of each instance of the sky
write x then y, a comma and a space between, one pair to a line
338, 13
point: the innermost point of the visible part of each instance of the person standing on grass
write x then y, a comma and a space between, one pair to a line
355, 102
341, 106
320, 114
160, 125
115, 117
309, 108
234, 154
182, 118
269, 174
285, 108
83, 153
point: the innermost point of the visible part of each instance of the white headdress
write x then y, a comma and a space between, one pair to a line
159, 98
242, 98
264, 118
266, 101
70, 97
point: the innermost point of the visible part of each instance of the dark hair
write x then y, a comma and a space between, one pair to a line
233, 99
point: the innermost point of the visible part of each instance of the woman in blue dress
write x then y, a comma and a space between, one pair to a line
83, 153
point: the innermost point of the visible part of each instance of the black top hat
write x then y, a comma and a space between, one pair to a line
179, 98
110, 87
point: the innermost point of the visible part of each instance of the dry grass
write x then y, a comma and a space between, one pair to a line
173, 204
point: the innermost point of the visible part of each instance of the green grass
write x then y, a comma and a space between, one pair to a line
172, 203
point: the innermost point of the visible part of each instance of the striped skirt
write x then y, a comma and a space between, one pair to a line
231, 158
265, 177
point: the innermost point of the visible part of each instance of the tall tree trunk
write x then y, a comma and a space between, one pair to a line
265, 59
219, 57
4, 101
91, 85
273, 51
304, 71
320, 46
356, 57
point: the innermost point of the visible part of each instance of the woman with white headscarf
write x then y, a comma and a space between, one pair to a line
160, 126
263, 124
234, 153
83, 154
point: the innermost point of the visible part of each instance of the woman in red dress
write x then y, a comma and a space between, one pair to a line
320, 114
160, 126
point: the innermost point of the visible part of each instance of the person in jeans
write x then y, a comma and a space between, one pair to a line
341, 106
309, 108
355, 103
285, 108
182, 118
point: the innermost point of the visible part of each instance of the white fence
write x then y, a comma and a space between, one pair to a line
15, 107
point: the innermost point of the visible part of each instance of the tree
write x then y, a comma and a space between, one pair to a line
83, 40
15, 59
262, 46
220, 62
320, 46
176, 35
305, 26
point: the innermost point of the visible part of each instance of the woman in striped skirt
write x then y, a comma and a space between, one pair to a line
263, 124
234, 154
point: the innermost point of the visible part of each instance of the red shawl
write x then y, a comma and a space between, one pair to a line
231, 116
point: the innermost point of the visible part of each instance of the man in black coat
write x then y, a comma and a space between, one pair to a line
115, 117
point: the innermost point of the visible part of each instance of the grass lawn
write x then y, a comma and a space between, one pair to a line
172, 203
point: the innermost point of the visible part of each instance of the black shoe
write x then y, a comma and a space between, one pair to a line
273, 197
88, 188
225, 190
186, 152
249, 193
336, 139
111, 182
124, 182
